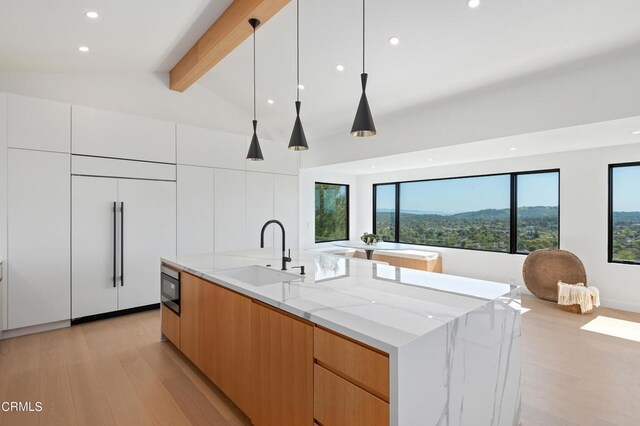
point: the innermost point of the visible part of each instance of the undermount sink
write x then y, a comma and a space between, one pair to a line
259, 275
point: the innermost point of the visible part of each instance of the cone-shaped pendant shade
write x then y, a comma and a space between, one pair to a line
363, 123
298, 141
255, 153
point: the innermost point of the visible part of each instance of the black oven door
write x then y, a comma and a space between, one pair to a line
170, 289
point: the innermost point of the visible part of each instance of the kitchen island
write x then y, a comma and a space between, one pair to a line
351, 341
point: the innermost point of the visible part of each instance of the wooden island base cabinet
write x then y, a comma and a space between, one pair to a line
279, 369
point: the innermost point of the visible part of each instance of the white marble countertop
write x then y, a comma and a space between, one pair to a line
380, 305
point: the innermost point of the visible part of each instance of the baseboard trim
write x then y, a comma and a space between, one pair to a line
40, 328
121, 312
622, 306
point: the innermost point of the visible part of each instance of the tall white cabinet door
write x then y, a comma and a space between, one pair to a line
94, 237
39, 124
195, 210
112, 134
285, 202
39, 249
149, 221
230, 211
260, 210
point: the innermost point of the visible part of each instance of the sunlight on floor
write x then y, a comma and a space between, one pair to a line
614, 327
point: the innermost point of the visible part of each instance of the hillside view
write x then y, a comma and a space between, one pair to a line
482, 229
626, 236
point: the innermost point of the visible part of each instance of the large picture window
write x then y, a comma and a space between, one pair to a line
465, 213
332, 212
510, 213
624, 213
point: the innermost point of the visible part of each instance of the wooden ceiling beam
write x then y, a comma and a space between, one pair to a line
231, 29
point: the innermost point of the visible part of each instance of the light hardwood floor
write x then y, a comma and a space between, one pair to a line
117, 371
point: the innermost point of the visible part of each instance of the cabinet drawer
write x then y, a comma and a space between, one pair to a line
338, 402
171, 325
365, 367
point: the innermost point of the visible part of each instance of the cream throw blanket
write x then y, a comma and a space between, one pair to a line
578, 294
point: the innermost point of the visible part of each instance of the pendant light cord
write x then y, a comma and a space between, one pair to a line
363, 1
254, 73
298, 50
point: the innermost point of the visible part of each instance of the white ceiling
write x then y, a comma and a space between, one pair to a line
129, 35
446, 49
596, 135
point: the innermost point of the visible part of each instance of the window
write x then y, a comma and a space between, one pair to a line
385, 211
332, 212
624, 213
464, 213
509, 213
538, 212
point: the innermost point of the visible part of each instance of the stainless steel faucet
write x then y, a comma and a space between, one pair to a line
285, 258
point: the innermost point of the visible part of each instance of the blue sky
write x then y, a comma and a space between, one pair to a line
470, 194
626, 189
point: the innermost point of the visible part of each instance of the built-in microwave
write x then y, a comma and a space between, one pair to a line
170, 288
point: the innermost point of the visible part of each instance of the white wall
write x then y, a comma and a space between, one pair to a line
3, 204
594, 90
583, 219
307, 206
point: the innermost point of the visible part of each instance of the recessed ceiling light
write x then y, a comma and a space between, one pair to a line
473, 3
430, 160
92, 15
637, 132
513, 148
394, 41
340, 68
83, 48
270, 101
301, 86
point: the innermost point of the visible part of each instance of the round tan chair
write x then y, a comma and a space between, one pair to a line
543, 269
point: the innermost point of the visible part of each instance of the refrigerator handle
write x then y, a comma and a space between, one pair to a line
115, 228
122, 243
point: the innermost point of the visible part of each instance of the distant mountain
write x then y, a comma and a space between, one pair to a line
487, 214
418, 212
535, 212
626, 217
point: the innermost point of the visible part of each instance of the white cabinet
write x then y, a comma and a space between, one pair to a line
195, 210
111, 134
39, 124
277, 158
205, 147
120, 228
38, 260
285, 203
94, 244
260, 210
149, 221
230, 211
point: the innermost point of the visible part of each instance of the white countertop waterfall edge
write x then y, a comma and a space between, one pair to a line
453, 343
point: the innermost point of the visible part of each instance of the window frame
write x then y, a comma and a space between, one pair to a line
610, 258
348, 213
513, 226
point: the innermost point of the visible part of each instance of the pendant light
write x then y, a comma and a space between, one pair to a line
363, 123
298, 141
255, 153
